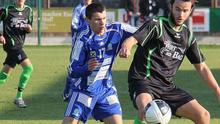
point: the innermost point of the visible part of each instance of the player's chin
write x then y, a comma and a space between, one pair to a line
179, 23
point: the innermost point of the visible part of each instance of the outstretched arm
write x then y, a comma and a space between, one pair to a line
125, 50
208, 77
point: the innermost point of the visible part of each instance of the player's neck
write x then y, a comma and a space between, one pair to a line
100, 33
20, 6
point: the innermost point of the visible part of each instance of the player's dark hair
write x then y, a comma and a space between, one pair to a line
193, 2
93, 8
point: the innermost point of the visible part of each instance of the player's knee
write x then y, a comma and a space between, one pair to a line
28, 69
204, 117
69, 120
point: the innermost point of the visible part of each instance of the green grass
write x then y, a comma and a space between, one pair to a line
43, 93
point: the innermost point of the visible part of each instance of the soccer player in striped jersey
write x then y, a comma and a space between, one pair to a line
94, 52
17, 22
78, 20
162, 45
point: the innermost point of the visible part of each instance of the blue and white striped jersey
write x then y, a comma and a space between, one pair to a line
78, 19
105, 48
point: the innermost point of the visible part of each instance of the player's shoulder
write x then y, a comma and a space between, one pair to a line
84, 32
2, 9
10, 7
78, 7
119, 26
28, 7
158, 20
116, 25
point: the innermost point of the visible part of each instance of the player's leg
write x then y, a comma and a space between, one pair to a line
24, 77
139, 94
79, 107
141, 102
108, 108
21, 58
5, 72
70, 120
114, 119
195, 112
8, 67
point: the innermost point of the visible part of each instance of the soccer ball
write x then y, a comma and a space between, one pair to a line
157, 112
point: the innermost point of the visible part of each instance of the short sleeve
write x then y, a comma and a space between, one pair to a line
146, 32
194, 54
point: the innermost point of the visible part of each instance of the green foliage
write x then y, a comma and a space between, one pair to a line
43, 93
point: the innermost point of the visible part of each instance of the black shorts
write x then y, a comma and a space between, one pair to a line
171, 94
14, 56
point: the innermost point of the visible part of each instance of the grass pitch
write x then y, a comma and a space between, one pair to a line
43, 93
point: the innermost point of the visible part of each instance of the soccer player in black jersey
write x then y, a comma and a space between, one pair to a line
162, 45
17, 22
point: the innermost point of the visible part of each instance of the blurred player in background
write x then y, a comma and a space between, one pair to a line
162, 45
151, 8
17, 22
78, 20
94, 52
133, 12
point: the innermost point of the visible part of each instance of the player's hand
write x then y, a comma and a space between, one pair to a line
2, 40
28, 28
124, 51
92, 64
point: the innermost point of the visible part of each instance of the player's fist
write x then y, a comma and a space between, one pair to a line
28, 28
92, 64
124, 52
2, 40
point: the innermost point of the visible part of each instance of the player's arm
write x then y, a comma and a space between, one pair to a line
208, 77
80, 65
2, 16
126, 47
28, 27
196, 57
142, 36
2, 39
75, 19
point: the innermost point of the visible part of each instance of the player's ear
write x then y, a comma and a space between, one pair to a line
170, 7
192, 10
87, 19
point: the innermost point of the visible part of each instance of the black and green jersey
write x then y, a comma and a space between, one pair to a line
14, 20
161, 50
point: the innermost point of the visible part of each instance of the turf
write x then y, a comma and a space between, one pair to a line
43, 93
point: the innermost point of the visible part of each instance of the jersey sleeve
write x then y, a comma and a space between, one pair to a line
146, 32
30, 19
76, 17
78, 66
2, 14
127, 30
2, 17
194, 54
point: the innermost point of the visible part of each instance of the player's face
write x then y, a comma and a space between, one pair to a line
97, 22
180, 11
87, 2
19, 2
